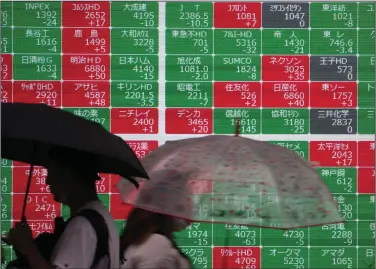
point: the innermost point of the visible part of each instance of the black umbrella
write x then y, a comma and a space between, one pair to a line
30, 131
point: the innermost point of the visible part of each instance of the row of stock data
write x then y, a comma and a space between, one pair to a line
118, 41
350, 15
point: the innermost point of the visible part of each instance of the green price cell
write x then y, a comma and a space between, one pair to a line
284, 257
300, 147
6, 162
134, 14
189, 15
6, 225
120, 224
37, 67
189, 68
285, 121
295, 238
197, 234
285, 42
189, 94
366, 257
98, 115
9, 256
366, 121
105, 198
366, 94
366, 207
347, 206
37, 14
327, 15
237, 41
366, 233
134, 41
339, 180
201, 257
236, 235
366, 41
6, 40
237, 68
332, 257
6, 14
65, 212
37, 40
340, 234
6, 179
134, 94
366, 68
134, 67
189, 41
6, 206
333, 41
367, 15
226, 120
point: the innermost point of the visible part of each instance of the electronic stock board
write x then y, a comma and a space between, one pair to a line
298, 74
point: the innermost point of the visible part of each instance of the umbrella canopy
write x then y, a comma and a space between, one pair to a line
30, 131
233, 180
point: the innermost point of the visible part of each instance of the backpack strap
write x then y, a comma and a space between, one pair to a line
100, 227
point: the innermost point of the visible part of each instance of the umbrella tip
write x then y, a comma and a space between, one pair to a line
237, 127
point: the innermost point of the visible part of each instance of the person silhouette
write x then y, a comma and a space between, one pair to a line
72, 181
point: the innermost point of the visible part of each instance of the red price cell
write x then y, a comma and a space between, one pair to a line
134, 120
237, 15
236, 257
44, 92
6, 67
366, 180
40, 207
103, 185
86, 67
86, 40
333, 153
41, 226
86, 94
119, 210
86, 14
366, 153
237, 94
333, 94
285, 68
189, 121
143, 148
21, 164
114, 180
282, 95
6, 91
38, 181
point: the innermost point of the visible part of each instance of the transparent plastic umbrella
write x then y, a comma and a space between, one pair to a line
233, 180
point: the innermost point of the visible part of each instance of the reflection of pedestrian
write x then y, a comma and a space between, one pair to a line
148, 241
72, 181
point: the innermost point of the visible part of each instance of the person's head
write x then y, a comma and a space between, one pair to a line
70, 175
142, 223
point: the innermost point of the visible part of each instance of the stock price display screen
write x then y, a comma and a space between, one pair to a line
298, 74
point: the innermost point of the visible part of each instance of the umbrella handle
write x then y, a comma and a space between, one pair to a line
23, 217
